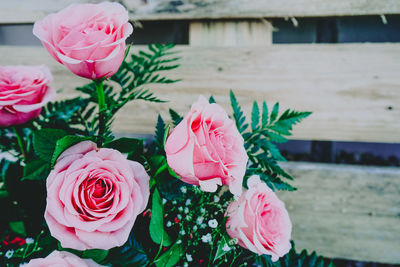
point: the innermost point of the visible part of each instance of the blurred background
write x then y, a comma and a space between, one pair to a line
339, 59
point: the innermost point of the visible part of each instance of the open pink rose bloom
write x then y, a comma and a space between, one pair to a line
206, 149
61, 258
89, 39
259, 220
94, 196
24, 90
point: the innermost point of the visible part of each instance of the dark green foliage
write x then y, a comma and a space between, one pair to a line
294, 259
133, 77
130, 254
176, 118
266, 130
156, 226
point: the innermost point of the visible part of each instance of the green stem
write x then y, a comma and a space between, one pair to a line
102, 110
20, 142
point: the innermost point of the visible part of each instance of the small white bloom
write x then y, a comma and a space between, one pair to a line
233, 241
179, 217
189, 257
213, 223
186, 210
164, 201
9, 254
185, 264
169, 224
188, 201
226, 248
195, 228
216, 199
174, 202
180, 209
182, 232
179, 241
183, 189
206, 238
203, 210
203, 225
29, 240
200, 220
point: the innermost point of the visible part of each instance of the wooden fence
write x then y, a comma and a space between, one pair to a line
353, 90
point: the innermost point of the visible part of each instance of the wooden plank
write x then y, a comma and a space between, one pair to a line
28, 11
349, 212
230, 33
353, 89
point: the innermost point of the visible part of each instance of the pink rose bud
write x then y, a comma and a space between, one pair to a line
94, 196
259, 221
24, 90
61, 258
89, 39
206, 149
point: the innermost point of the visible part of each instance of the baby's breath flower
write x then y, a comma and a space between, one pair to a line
169, 224
183, 189
213, 223
179, 241
164, 201
189, 257
203, 210
216, 199
206, 238
9, 254
186, 210
203, 225
179, 217
182, 232
29, 240
174, 202
180, 209
188, 201
226, 248
200, 220
195, 227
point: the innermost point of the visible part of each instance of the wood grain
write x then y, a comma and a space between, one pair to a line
344, 211
230, 33
28, 11
352, 89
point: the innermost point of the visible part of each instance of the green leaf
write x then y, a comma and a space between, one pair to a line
130, 254
97, 255
166, 134
37, 169
3, 194
255, 116
211, 100
64, 143
176, 118
238, 115
126, 145
44, 142
160, 131
264, 120
18, 227
156, 228
171, 257
221, 244
274, 113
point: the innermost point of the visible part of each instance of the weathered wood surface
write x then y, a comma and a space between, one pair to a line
28, 11
352, 89
230, 33
349, 212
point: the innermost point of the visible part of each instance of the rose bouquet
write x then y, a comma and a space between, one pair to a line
201, 193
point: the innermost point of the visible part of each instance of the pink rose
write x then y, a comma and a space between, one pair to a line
62, 258
259, 220
206, 149
94, 196
89, 39
24, 90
